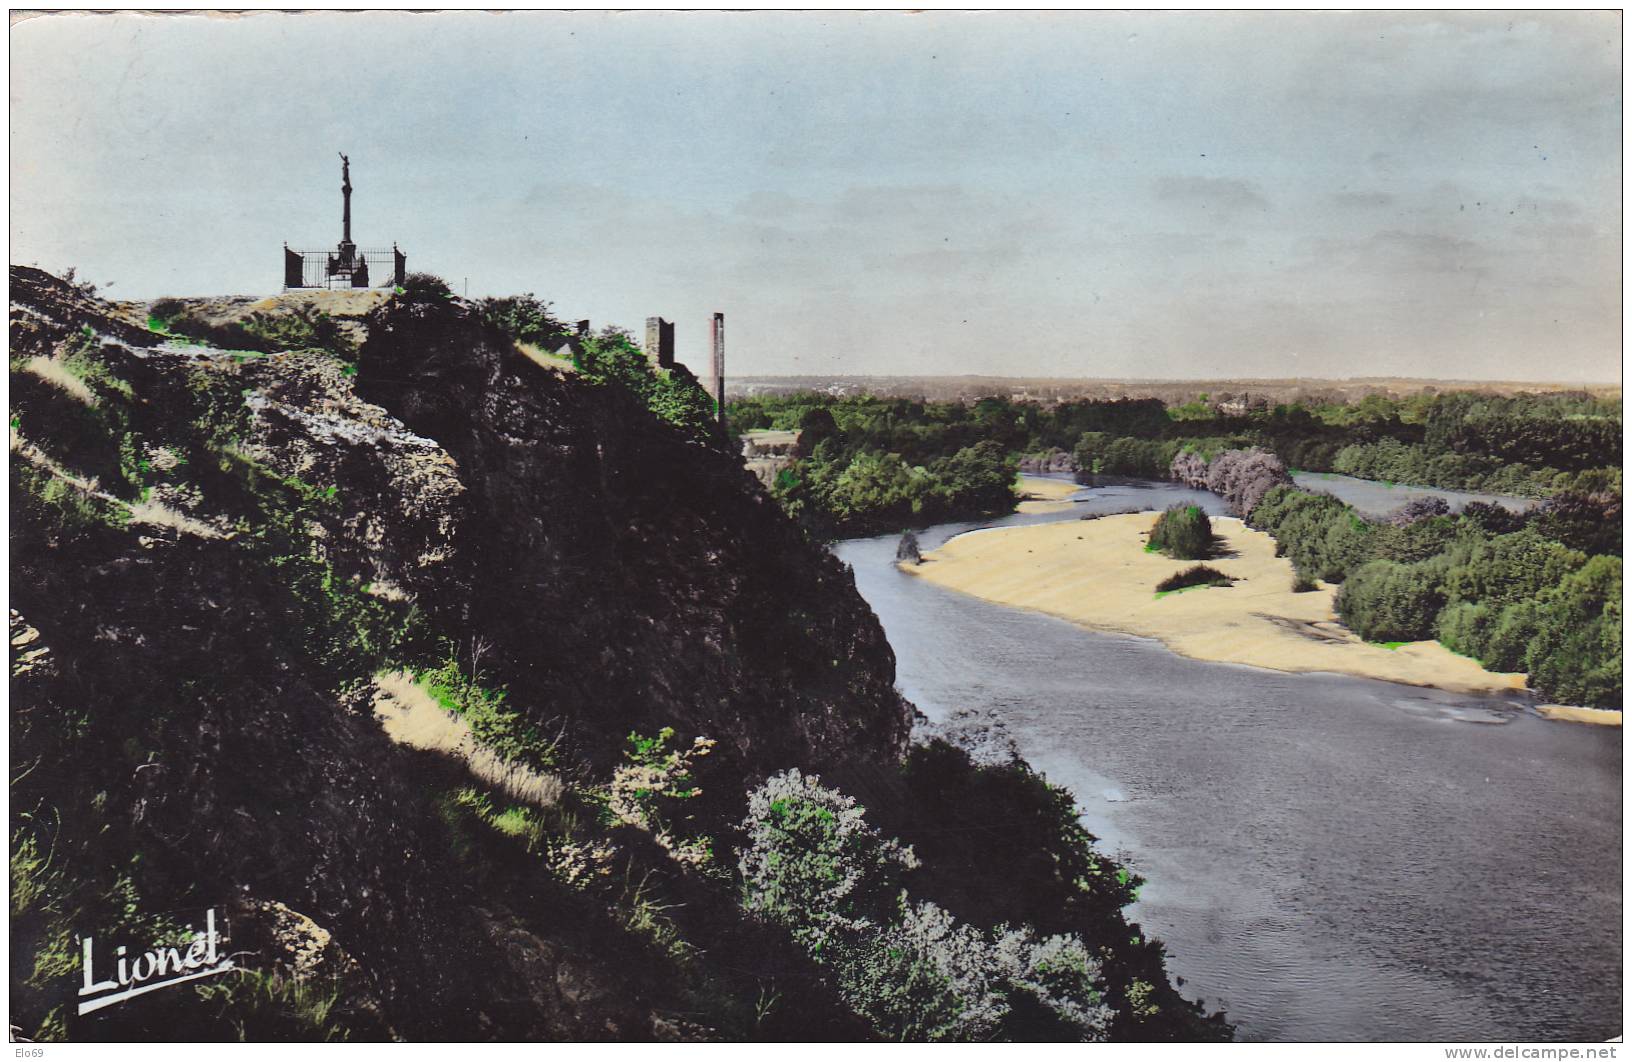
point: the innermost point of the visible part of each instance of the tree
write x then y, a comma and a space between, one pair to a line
815, 426
1384, 601
1590, 523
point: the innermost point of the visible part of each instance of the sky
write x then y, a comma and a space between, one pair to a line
1170, 195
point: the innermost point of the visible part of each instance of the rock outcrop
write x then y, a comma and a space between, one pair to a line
244, 583
210, 548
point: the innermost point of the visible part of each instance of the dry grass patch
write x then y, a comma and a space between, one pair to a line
411, 716
61, 377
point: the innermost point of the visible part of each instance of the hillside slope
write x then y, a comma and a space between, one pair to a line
229, 566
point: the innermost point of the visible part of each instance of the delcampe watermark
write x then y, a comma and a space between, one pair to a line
159, 967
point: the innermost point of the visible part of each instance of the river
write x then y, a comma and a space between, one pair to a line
1379, 499
1327, 858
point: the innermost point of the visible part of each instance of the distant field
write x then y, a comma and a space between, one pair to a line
1050, 389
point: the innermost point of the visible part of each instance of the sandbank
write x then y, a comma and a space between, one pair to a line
1096, 573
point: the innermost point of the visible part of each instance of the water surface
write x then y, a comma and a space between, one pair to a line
1378, 499
1327, 857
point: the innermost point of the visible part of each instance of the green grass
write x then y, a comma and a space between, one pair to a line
1389, 645
507, 733
514, 821
84, 365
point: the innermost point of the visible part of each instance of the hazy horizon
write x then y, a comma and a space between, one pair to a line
1429, 380
1054, 195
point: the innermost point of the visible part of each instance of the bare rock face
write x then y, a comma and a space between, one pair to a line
594, 533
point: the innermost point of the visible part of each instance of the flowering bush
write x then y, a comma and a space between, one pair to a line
813, 863
913, 970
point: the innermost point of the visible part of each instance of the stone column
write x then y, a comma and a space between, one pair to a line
719, 365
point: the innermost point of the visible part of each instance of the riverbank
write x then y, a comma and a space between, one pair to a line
1097, 574
1040, 494
1570, 713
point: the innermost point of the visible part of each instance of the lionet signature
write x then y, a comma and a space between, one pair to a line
170, 965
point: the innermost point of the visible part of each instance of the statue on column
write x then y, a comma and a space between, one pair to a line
347, 248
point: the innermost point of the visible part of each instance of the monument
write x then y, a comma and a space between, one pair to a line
348, 265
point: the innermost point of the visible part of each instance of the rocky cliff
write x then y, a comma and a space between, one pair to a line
238, 573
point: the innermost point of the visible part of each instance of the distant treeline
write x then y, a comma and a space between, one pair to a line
844, 482
1528, 445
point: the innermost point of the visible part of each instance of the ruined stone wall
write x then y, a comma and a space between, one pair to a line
660, 343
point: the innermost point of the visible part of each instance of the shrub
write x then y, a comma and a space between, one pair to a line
1414, 541
1463, 628
1060, 974
932, 978
913, 970
1384, 601
926, 978
812, 862
674, 396
1324, 537
1418, 509
1568, 637
292, 328
425, 287
1195, 575
1509, 568
651, 789
1108, 454
523, 318
1184, 533
1497, 636
1189, 468
1575, 656
677, 398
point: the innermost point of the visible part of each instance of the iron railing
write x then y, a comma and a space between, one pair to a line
372, 267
